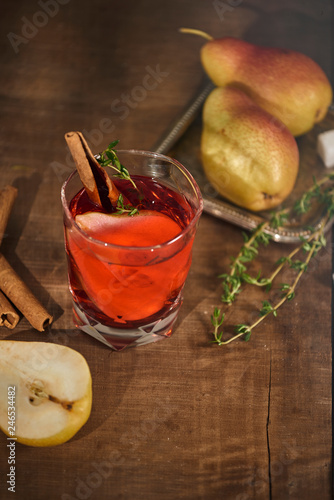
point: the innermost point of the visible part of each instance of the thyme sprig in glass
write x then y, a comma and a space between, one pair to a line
122, 209
109, 158
309, 247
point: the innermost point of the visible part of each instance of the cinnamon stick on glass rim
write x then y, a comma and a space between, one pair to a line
21, 296
100, 188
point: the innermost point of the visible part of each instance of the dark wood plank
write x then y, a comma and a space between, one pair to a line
181, 418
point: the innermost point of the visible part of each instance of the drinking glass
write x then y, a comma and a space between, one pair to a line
128, 294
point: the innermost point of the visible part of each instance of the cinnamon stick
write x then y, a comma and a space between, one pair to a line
7, 198
8, 316
20, 295
99, 187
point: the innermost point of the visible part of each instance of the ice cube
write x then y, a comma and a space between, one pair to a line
325, 147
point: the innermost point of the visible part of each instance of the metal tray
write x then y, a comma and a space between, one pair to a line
182, 142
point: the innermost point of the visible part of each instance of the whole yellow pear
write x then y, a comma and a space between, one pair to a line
287, 84
249, 156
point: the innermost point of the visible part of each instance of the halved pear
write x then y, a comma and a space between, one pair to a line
52, 392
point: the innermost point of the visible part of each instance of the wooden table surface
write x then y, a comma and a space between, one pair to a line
182, 418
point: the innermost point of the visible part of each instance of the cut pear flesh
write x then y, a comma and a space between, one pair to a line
52, 391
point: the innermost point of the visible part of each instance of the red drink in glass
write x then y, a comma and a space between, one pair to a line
126, 272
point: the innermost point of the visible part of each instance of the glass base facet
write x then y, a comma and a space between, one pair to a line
117, 338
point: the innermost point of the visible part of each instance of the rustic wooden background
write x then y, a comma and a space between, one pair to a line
183, 418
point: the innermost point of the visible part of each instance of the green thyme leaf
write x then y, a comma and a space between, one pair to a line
109, 158
309, 246
122, 209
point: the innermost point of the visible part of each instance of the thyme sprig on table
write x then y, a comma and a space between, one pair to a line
109, 158
304, 204
238, 275
249, 251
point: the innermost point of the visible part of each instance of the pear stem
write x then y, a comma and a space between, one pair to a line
196, 32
